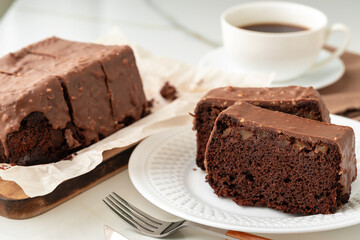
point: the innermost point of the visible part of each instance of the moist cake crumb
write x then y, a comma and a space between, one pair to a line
257, 158
168, 92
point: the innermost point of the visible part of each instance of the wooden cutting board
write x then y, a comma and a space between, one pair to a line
15, 204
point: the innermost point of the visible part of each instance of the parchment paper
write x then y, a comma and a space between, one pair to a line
191, 82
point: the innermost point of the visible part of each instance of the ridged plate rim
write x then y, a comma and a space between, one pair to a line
161, 166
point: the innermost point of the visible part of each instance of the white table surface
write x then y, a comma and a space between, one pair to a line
184, 30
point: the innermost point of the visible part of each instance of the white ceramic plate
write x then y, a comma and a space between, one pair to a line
163, 170
318, 78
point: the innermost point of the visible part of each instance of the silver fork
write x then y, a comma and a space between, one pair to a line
148, 225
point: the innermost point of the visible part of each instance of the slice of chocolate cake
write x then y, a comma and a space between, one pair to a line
260, 157
299, 101
59, 96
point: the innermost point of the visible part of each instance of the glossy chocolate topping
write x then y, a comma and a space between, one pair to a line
123, 81
281, 96
121, 76
304, 129
70, 81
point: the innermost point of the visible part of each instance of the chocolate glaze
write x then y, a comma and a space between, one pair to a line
121, 76
304, 129
90, 85
281, 96
92, 117
123, 81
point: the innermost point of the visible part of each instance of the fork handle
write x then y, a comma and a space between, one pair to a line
244, 235
223, 233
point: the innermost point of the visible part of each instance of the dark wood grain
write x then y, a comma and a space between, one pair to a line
15, 204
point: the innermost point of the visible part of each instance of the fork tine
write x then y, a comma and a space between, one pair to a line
132, 214
132, 208
142, 222
125, 216
119, 212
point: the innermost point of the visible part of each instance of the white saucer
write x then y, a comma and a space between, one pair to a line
163, 170
318, 78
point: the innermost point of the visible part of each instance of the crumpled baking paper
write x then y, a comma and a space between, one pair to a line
191, 83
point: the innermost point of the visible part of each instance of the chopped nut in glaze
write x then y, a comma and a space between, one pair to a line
321, 148
262, 134
5, 117
283, 143
245, 134
310, 115
226, 132
311, 154
299, 145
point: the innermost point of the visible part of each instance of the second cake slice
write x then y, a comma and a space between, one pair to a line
296, 100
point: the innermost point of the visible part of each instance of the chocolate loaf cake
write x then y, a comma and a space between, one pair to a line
299, 101
59, 96
260, 157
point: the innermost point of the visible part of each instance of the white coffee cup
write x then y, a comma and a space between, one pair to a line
288, 54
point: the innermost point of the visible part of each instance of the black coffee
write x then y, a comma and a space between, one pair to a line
273, 27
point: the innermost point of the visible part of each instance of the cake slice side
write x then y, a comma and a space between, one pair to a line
34, 119
265, 158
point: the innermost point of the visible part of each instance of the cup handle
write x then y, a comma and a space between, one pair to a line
337, 27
